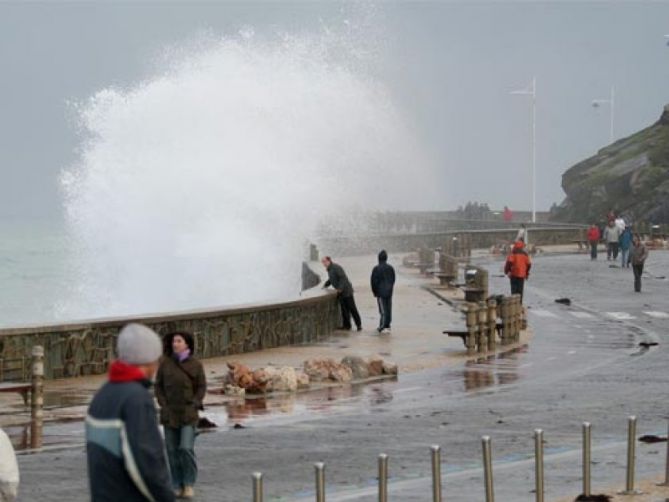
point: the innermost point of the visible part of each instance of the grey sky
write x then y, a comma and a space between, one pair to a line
450, 67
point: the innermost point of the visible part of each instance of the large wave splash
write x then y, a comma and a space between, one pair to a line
199, 186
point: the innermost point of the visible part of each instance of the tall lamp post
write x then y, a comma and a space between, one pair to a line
532, 91
596, 103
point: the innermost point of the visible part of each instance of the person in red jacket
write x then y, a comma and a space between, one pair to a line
593, 239
517, 268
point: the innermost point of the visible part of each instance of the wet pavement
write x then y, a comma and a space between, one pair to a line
584, 363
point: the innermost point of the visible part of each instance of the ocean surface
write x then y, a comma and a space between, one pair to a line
33, 271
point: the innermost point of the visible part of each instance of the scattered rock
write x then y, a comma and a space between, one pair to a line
233, 390
284, 380
238, 426
593, 498
390, 368
649, 438
563, 301
302, 379
357, 365
647, 344
205, 423
375, 366
341, 373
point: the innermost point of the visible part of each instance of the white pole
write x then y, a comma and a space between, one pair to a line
612, 104
534, 149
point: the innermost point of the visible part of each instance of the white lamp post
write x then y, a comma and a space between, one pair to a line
596, 103
532, 91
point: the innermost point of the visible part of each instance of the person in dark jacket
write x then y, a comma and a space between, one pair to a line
638, 256
180, 389
625, 243
337, 279
383, 281
126, 459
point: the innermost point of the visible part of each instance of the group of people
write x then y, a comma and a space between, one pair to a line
619, 239
382, 282
125, 450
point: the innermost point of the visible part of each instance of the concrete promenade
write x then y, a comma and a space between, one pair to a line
582, 363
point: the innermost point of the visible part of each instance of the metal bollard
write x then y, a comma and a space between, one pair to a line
383, 477
483, 327
436, 472
631, 457
487, 469
257, 487
37, 397
492, 324
539, 464
471, 328
319, 467
666, 465
587, 430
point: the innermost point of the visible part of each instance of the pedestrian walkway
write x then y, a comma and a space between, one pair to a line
620, 316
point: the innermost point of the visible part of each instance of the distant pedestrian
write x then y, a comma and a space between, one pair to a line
507, 215
522, 234
126, 458
611, 235
638, 256
9, 470
593, 240
383, 281
625, 243
517, 268
337, 279
180, 389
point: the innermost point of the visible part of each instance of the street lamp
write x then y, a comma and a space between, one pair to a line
532, 91
596, 103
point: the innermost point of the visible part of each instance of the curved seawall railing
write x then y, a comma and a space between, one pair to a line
86, 347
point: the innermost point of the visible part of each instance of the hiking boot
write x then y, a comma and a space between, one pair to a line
188, 492
359, 328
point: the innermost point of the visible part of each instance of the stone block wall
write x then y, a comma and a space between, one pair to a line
86, 348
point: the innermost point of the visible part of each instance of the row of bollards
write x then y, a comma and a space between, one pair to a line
486, 444
481, 322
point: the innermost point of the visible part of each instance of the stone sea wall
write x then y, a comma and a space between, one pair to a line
86, 348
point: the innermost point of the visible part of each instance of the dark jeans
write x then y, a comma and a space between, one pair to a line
593, 250
612, 250
348, 309
385, 311
517, 285
638, 272
180, 443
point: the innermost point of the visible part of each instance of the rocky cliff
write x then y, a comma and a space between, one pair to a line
630, 176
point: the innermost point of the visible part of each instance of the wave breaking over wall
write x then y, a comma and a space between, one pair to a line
199, 186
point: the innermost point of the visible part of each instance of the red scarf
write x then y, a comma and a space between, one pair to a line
124, 372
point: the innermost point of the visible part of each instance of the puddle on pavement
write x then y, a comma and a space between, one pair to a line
495, 369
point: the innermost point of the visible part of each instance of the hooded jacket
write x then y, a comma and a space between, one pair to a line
518, 263
126, 460
383, 278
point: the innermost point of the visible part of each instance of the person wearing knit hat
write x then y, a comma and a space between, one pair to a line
124, 447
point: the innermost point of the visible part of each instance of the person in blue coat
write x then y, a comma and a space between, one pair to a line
625, 243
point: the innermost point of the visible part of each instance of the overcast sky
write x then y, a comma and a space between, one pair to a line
449, 66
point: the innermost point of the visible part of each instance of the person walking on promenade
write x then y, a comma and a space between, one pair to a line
383, 281
522, 234
611, 235
625, 243
593, 240
638, 256
126, 459
337, 279
180, 389
517, 268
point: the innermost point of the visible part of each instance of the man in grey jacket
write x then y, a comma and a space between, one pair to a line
611, 236
337, 279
